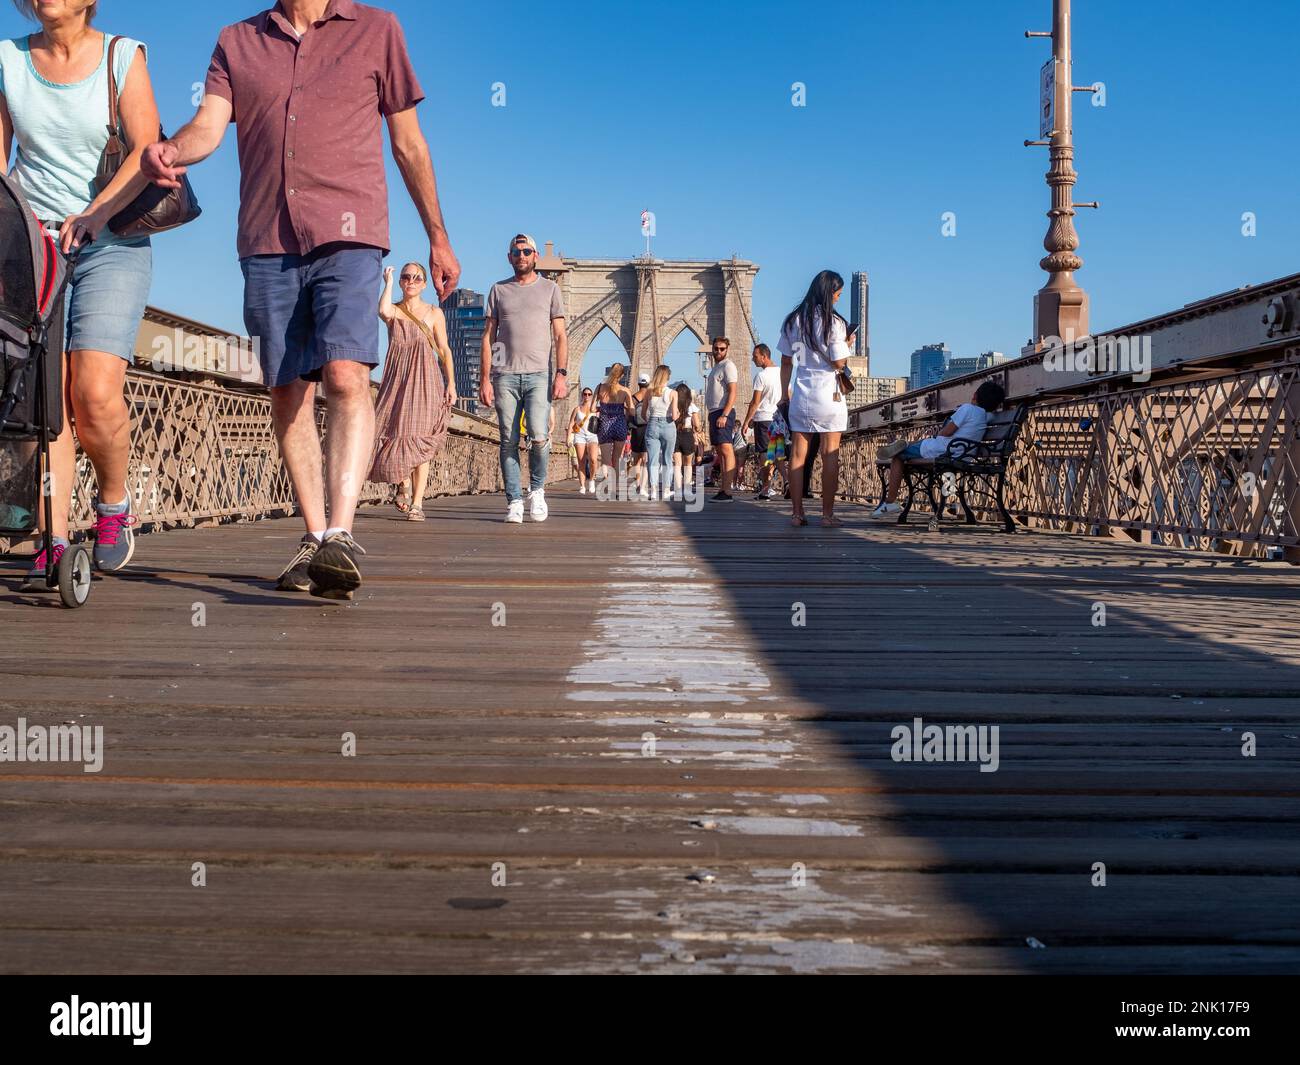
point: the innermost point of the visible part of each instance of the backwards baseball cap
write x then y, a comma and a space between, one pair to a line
526, 239
644, 379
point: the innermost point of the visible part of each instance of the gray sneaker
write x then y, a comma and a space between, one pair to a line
293, 578
333, 569
114, 541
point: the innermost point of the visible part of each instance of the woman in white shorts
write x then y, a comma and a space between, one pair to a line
582, 435
813, 349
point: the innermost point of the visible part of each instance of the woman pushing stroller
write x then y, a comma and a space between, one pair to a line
54, 96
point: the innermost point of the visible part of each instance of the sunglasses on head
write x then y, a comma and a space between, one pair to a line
516, 253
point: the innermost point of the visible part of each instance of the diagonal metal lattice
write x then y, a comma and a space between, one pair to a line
1211, 463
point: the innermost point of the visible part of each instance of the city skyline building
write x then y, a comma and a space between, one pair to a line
859, 311
929, 364
466, 322
879, 389
986, 360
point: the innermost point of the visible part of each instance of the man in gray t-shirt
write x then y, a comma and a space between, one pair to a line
525, 317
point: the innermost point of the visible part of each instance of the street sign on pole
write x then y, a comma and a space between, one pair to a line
1047, 99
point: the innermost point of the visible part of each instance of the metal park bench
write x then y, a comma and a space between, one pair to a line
975, 466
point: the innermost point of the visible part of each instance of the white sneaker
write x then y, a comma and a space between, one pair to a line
582, 488
515, 515
537, 508
885, 510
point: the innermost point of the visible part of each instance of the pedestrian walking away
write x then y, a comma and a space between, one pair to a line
814, 350
613, 405
636, 438
659, 409
307, 160
524, 325
416, 393
690, 433
54, 103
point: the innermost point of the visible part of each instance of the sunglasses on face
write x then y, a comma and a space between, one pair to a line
517, 253
408, 279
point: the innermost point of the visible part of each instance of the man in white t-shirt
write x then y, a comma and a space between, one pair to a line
720, 402
762, 409
967, 423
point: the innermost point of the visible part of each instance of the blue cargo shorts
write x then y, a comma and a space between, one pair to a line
306, 310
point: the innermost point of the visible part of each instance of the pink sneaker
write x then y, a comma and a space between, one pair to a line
114, 541
35, 579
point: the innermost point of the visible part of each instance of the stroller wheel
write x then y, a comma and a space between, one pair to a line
74, 576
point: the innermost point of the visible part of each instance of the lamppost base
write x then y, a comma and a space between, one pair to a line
1061, 309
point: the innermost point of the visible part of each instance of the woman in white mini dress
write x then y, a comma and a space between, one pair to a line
813, 346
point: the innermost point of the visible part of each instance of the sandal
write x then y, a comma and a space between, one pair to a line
798, 520
830, 521
401, 502
415, 514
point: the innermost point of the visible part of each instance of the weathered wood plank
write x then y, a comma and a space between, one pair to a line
523, 743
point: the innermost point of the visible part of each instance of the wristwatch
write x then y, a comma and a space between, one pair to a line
562, 370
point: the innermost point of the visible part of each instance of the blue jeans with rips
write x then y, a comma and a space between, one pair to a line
529, 393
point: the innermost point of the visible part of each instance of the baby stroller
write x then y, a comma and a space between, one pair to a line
33, 277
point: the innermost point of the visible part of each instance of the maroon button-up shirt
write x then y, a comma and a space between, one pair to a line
309, 115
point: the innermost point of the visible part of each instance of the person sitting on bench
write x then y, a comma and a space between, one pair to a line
967, 423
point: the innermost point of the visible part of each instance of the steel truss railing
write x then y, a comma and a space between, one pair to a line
1211, 462
203, 454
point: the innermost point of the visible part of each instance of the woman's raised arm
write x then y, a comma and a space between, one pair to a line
387, 311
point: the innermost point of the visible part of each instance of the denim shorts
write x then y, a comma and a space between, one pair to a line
306, 310
106, 296
911, 453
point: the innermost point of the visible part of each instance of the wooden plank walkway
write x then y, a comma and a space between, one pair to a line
768, 830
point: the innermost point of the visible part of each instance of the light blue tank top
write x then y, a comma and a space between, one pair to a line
60, 130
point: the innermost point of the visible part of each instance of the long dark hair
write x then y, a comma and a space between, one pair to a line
683, 405
820, 297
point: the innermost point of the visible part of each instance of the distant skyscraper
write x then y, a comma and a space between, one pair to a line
958, 367
858, 370
929, 364
465, 325
859, 311
879, 389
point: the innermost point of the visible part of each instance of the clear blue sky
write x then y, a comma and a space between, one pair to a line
913, 109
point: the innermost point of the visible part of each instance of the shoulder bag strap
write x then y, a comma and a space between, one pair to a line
113, 117
428, 333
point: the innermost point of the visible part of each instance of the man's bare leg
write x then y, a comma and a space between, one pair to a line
293, 413
895, 480
727, 457
349, 437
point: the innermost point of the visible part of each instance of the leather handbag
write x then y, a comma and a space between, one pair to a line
156, 209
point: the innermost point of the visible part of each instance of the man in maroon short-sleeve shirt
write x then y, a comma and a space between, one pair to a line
308, 85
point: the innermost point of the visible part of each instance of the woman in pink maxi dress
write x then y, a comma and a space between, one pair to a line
416, 393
